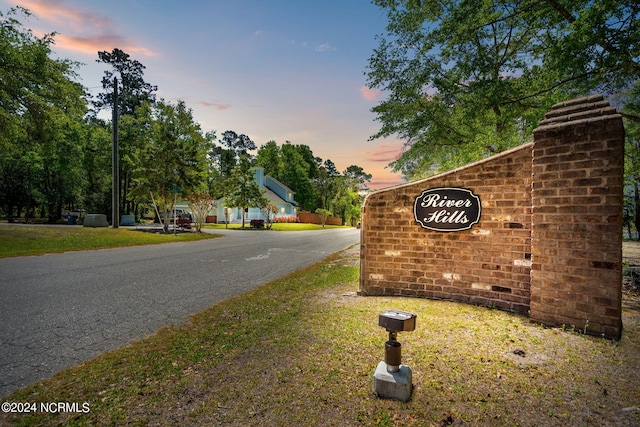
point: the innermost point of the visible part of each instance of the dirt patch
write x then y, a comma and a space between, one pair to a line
524, 358
348, 258
631, 253
631, 276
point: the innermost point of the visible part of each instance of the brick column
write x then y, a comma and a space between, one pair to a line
576, 246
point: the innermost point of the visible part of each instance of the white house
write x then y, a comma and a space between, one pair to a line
276, 192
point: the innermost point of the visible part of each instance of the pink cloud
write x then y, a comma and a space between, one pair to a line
91, 45
384, 153
380, 184
56, 11
370, 94
222, 107
216, 106
80, 30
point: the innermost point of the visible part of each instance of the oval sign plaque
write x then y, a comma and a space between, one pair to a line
447, 209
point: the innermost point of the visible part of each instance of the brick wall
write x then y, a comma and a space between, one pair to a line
577, 211
521, 256
488, 264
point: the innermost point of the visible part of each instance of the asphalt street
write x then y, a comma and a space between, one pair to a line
59, 310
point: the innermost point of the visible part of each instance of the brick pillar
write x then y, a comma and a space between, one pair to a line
576, 246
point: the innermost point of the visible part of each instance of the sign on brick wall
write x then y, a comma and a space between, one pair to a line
447, 209
549, 243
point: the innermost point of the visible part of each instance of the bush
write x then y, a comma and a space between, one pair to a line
286, 219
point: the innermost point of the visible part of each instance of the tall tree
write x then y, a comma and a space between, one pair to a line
326, 183
295, 175
244, 191
269, 157
133, 91
224, 159
96, 165
347, 203
61, 177
357, 174
19, 182
173, 159
466, 79
240, 145
41, 116
317, 184
312, 161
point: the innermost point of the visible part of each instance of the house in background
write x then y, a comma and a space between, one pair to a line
276, 192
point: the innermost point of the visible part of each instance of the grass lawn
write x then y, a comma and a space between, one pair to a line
38, 239
302, 351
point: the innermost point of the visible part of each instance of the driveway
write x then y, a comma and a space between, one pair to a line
59, 310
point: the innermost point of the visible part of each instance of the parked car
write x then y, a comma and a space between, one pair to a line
184, 221
178, 212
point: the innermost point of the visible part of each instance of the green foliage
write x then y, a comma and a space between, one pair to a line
132, 89
632, 161
41, 122
357, 174
96, 166
239, 145
317, 184
324, 214
326, 183
133, 92
297, 173
347, 202
270, 158
55, 156
465, 80
19, 182
224, 158
244, 190
173, 157
294, 166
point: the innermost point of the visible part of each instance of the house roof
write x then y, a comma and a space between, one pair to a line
280, 184
274, 198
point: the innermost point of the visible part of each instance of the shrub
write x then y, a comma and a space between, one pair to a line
286, 219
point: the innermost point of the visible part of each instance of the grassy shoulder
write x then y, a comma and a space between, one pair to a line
303, 349
37, 240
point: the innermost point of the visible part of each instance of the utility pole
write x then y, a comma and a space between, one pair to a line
115, 166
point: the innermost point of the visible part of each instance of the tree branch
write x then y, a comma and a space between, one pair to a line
634, 118
561, 10
549, 89
608, 47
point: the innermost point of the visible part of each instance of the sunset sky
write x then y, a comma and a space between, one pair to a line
271, 69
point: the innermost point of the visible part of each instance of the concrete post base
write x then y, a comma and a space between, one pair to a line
393, 385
